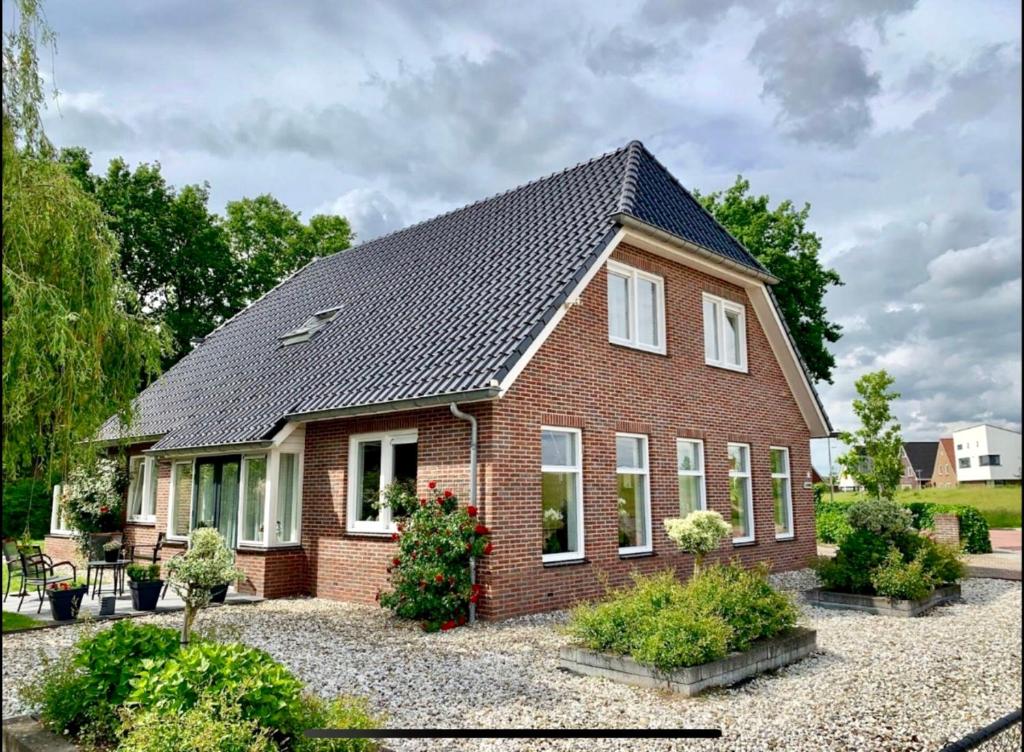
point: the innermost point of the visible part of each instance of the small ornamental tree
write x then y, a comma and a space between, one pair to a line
430, 575
208, 563
874, 459
699, 533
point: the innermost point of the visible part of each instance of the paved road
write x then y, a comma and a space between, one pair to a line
1005, 540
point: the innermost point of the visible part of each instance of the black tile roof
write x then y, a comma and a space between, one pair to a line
922, 456
443, 307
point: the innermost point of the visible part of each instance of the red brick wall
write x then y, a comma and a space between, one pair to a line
579, 379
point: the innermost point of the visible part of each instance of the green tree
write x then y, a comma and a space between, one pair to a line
73, 350
269, 241
780, 240
875, 448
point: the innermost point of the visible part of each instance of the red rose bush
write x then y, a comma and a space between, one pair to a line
430, 577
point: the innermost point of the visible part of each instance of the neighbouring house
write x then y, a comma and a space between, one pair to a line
987, 454
944, 474
848, 484
918, 459
592, 349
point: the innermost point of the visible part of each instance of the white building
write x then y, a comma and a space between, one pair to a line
987, 454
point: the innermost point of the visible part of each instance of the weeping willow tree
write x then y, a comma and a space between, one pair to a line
72, 353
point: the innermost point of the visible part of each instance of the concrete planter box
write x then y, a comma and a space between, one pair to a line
765, 655
880, 605
24, 734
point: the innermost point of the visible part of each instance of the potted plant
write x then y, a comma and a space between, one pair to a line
65, 599
112, 551
207, 564
145, 584
92, 501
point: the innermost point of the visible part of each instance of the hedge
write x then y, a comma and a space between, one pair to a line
16, 497
832, 526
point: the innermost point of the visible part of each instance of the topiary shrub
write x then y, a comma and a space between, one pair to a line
884, 518
430, 576
699, 533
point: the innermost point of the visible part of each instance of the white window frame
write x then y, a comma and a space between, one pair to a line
645, 471
57, 526
273, 496
147, 476
577, 435
385, 525
788, 476
242, 490
720, 307
172, 495
703, 505
750, 489
632, 275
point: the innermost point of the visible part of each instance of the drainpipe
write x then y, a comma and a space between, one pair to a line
472, 488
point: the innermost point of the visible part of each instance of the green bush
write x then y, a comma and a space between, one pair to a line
268, 693
850, 571
80, 694
18, 497
942, 562
831, 523
665, 623
342, 713
884, 518
974, 532
896, 578
213, 725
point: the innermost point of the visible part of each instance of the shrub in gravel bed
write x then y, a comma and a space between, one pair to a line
430, 576
665, 623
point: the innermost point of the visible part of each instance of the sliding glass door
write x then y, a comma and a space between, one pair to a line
216, 496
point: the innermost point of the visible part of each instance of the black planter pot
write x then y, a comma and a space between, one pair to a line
64, 604
145, 595
111, 556
217, 594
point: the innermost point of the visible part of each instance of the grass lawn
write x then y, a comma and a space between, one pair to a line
18, 621
999, 505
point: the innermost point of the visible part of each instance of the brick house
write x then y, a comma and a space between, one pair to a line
944, 474
617, 355
918, 459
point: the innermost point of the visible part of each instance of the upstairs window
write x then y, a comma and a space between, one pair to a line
986, 460
309, 327
725, 333
964, 461
636, 308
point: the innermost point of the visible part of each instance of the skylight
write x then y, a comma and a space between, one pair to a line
309, 327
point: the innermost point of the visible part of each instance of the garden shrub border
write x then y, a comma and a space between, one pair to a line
831, 524
882, 606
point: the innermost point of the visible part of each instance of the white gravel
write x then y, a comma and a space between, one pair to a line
878, 682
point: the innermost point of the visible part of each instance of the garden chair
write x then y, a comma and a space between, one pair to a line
40, 571
12, 562
148, 554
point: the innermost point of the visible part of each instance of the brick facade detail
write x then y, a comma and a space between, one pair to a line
576, 379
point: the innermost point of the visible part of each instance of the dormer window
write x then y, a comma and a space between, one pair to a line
309, 327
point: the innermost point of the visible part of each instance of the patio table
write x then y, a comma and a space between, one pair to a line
99, 567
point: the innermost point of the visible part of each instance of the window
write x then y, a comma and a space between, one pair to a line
965, 461
690, 459
782, 495
309, 327
986, 460
179, 513
959, 446
634, 493
740, 493
58, 526
375, 461
562, 493
288, 513
142, 489
254, 498
636, 308
217, 481
725, 333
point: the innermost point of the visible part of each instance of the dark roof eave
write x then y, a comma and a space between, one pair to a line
241, 446
476, 395
628, 220
127, 440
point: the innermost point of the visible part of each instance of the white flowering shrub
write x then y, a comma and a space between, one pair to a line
91, 499
208, 563
699, 533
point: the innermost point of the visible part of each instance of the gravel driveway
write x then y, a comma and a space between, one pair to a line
878, 683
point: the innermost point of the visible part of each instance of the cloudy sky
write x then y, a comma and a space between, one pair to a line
899, 121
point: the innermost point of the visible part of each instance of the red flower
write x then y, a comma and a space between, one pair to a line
432, 485
488, 548
471, 510
481, 530
474, 597
450, 624
396, 561
64, 586
394, 536
104, 510
448, 493
423, 502
469, 546
439, 501
439, 577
